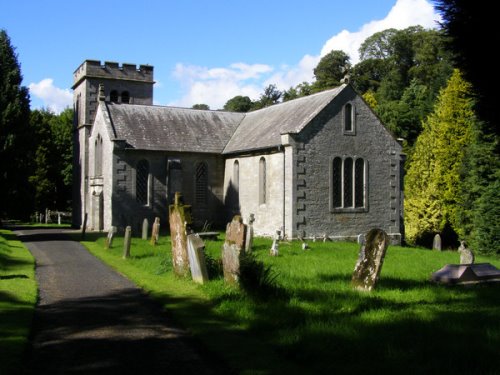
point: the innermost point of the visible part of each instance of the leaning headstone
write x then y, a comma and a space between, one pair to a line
249, 236
145, 227
232, 249
466, 255
155, 233
196, 255
371, 258
179, 218
436, 243
109, 237
126, 242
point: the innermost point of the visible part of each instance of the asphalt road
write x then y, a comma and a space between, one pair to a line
91, 320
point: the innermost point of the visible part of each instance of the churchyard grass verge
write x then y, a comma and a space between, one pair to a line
18, 294
318, 323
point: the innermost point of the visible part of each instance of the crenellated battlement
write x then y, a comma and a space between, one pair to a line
112, 70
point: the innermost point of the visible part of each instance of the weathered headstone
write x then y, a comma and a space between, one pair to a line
109, 238
466, 255
371, 258
436, 243
249, 236
155, 233
196, 255
145, 228
179, 219
275, 246
58, 218
233, 249
361, 239
126, 242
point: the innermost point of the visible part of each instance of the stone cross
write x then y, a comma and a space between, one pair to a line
155, 233
232, 249
436, 243
196, 256
179, 218
371, 258
126, 242
109, 238
249, 236
466, 255
145, 227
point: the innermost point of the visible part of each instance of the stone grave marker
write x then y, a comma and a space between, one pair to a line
126, 242
249, 236
436, 243
155, 232
145, 227
275, 246
179, 217
371, 258
232, 249
478, 273
361, 239
196, 255
466, 255
109, 238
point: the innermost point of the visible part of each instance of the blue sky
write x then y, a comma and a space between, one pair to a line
202, 51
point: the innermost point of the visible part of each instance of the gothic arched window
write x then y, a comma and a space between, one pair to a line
113, 96
262, 181
201, 183
348, 183
98, 156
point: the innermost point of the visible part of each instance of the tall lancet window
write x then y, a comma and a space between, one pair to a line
98, 156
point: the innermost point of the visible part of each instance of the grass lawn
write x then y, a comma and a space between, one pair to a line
318, 324
18, 294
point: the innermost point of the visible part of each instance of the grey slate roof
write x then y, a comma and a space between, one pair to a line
263, 128
172, 129
160, 128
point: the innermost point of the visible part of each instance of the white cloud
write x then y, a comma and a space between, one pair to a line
214, 86
53, 98
403, 14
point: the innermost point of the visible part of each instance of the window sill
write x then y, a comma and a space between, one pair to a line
348, 210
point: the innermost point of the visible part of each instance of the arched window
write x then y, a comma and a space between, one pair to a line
348, 118
236, 176
262, 181
337, 183
142, 182
113, 96
348, 183
201, 183
125, 97
98, 156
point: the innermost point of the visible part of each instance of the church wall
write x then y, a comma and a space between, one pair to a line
243, 196
317, 145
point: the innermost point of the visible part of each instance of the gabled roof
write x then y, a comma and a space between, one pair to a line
263, 128
172, 129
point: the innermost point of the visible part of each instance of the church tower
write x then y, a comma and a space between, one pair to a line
126, 84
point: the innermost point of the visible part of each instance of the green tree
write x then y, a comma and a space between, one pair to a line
331, 69
15, 139
433, 180
270, 96
238, 104
201, 106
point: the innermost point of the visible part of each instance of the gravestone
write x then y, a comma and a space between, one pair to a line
452, 274
109, 237
179, 217
126, 242
436, 243
196, 256
155, 232
249, 236
145, 227
232, 249
361, 239
325, 238
371, 258
466, 255
275, 246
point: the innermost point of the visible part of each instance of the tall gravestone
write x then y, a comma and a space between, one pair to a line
371, 258
126, 242
179, 217
196, 255
436, 243
109, 238
155, 233
233, 249
249, 235
145, 227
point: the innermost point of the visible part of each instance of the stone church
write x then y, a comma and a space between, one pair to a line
319, 165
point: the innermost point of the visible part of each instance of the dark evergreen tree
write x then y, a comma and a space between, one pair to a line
15, 139
238, 104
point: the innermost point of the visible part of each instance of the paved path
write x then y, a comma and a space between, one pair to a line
91, 320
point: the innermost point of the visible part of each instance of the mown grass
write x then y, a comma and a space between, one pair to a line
18, 294
319, 324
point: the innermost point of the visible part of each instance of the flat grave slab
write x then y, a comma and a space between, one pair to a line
466, 274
